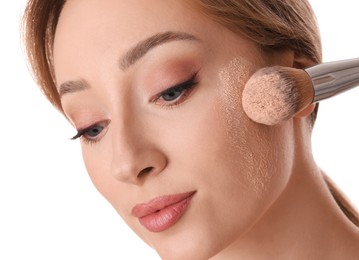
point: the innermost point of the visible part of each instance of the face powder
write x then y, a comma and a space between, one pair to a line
239, 127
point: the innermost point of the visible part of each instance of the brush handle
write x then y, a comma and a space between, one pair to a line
332, 78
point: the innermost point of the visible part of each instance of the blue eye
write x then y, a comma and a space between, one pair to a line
177, 94
94, 131
90, 134
172, 94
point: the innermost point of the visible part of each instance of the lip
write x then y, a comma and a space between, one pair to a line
162, 212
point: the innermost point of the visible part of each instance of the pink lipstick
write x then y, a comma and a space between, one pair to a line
163, 212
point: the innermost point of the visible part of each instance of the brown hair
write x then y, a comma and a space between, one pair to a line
39, 26
273, 24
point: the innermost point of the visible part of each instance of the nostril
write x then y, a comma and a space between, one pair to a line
145, 171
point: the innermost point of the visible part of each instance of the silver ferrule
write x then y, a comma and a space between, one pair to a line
332, 78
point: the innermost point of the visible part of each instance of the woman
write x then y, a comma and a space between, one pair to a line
154, 90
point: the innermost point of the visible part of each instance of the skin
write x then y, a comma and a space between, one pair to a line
257, 187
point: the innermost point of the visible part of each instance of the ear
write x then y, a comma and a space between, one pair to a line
306, 111
301, 62
284, 58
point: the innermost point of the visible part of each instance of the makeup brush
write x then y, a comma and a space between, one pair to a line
275, 94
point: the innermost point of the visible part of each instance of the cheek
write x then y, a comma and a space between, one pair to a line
243, 140
117, 193
96, 159
259, 151
97, 165
93, 161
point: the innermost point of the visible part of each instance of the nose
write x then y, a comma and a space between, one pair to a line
135, 157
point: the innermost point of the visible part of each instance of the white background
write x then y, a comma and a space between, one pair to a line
48, 206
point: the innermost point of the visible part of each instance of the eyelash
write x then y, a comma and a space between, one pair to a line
185, 88
84, 136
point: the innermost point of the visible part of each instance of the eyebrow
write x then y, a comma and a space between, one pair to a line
73, 86
130, 57
141, 48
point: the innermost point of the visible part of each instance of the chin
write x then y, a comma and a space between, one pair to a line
190, 249
190, 242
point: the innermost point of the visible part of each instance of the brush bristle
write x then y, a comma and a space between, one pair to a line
275, 94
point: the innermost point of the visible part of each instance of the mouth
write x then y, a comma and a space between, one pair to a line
162, 212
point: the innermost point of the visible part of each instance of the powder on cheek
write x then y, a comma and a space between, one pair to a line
243, 135
232, 79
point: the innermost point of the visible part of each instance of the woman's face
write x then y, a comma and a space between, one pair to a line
157, 88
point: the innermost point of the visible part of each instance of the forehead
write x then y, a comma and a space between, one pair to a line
126, 20
95, 33
90, 27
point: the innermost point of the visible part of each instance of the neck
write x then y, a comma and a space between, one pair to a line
304, 223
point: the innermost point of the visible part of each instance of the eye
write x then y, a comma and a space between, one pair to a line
177, 94
172, 94
92, 133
